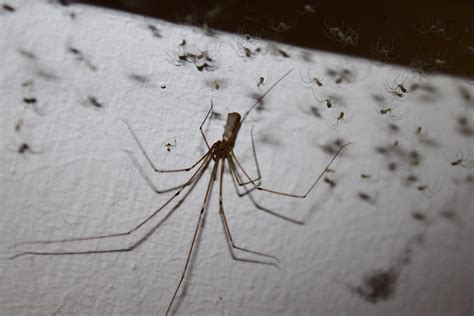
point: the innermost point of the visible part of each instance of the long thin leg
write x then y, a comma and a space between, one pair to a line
198, 224
227, 230
124, 249
202, 124
196, 175
147, 179
234, 159
232, 166
142, 149
238, 182
302, 196
258, 206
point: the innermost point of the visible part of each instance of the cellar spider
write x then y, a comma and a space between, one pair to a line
391, 114
262, 81
397, 89
344, 37
462, 159
340, 118
311, 81
282, 26
435, 26
218, 153
384, 51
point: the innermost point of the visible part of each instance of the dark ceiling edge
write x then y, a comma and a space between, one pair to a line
416, 34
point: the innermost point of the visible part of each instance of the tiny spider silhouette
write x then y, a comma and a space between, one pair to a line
462, 159
262, 81
340, 118
384, 50
308, 9
311, 81
435, 26
218, 155
341, 75
344, 36
281, 26
391, 113
397, 89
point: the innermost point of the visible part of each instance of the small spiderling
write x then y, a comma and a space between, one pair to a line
331, 183
8, 7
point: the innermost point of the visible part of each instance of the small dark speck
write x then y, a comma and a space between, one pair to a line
8, 7
75, 51
469, 178
30, 100
411, 178
23, 148
463, 121
64, 2
138, 78
331, 183
154, 30
220, 298
93, 100
364, 196
393, 127
465, 94
163, 86
27, 54
217, 115
378, 286
418, 216
315, 111
392, 166
448, 214
283, 53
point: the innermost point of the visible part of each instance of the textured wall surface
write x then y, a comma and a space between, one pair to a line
397, 242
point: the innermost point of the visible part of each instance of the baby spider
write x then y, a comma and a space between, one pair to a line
391, 114
340, 76
219, 155
282, 26
462, 159
384, 51
344, 37
169, 145
25, 148
308, 9
261, 81
329, 102
397, 89
435, 26
369, 177
311, 81
244, 51
340, 117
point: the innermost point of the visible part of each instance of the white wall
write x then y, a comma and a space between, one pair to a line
78, 180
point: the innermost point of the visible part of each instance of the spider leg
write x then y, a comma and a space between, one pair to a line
124, 249
148, 180
229, 235
257, 205
202, 124
238, 180
302, 196
142, 149
195, 176
198, 225
233, 168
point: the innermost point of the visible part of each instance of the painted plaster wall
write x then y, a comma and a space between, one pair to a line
405, 251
